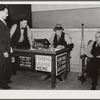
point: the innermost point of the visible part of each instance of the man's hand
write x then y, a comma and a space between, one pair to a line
6, 55
60, 47
98, 56
11, 50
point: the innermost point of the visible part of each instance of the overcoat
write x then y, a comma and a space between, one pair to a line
5, 63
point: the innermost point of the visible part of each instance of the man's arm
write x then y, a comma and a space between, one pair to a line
70, 44
5, 53
68, 39
29, 34
51, 39
1, 39
88, 49
12, 30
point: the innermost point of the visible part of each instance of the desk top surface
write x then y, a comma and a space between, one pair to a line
53, 51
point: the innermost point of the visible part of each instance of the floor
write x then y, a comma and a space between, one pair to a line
35, 81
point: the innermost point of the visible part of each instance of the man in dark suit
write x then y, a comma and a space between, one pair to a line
5, 68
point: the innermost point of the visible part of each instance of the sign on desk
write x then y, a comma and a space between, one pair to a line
61, 63
25, 61
43, 63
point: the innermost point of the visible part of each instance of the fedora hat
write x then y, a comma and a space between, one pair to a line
58, 27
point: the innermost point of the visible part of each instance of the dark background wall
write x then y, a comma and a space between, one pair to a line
72, 18
15, 11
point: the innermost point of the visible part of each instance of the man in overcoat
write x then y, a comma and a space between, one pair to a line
5, 68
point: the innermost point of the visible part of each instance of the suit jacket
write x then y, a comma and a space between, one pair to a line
4, 38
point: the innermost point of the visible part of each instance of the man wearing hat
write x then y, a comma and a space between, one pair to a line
60, 40
5, 68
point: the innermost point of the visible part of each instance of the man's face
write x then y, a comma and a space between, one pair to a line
97, 37
4, 13
23, 23
58, 32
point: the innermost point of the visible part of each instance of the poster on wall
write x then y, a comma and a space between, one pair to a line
43, 63
61, 63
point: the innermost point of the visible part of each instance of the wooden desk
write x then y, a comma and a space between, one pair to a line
47, 60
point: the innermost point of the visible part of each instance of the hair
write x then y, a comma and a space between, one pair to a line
23, 17
97, 33
2, 7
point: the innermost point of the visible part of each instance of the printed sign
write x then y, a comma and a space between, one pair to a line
43, 63
25, 61
61, 63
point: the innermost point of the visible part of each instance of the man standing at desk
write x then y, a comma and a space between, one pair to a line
5, 68
60, 40
20, 38
21, 34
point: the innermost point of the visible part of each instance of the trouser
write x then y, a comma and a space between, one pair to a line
94, 80
14, 65
94, 77
5, 70
93, 70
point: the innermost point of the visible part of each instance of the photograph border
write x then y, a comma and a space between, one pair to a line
47, 94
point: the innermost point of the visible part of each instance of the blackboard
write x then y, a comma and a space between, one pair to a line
69, 18
16, 11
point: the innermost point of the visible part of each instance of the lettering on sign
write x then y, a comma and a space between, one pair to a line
43, 63
61, 63
25, 61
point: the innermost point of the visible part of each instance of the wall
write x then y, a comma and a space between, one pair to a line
15, 12
48, 6
89, 33
70, 18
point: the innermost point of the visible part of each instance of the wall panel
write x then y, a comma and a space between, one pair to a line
72, 18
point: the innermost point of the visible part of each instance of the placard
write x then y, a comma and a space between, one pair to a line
61, 63
25, 61
43, 63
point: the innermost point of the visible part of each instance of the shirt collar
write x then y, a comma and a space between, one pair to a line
3, 21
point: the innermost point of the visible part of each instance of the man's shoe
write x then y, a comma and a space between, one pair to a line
93, 88
59, 78
6, 87
47, 77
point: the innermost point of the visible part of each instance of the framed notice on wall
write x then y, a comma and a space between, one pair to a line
61, 63
25, 61
43, 63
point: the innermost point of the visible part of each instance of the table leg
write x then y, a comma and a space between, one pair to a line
33, 63
66, 71
53, 73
